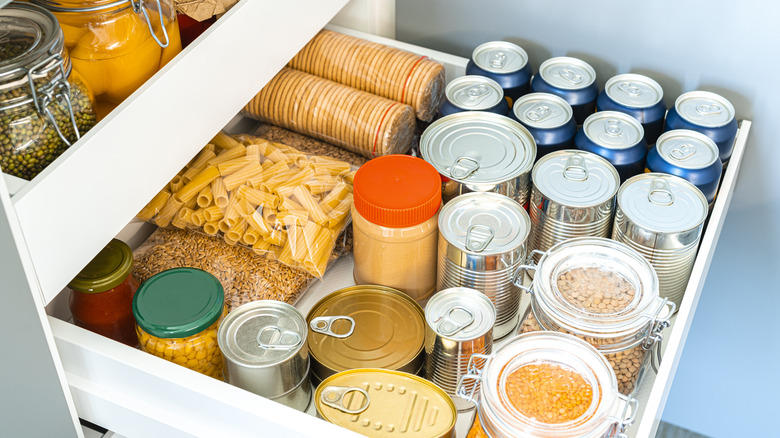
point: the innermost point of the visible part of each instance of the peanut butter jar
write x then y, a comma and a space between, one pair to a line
395, 216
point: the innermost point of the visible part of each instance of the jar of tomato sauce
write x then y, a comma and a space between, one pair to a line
101, 298
116, 45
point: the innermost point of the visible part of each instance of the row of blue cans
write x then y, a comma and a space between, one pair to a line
507, 67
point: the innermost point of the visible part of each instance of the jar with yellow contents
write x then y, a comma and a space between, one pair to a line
177, 314
116, 45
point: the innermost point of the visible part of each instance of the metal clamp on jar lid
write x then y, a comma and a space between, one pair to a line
139, 7
264, 347
590, 407
482, 152
38, 64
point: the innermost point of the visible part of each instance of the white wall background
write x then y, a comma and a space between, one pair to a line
726, 383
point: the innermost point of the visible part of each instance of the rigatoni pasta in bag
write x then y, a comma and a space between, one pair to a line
263, 195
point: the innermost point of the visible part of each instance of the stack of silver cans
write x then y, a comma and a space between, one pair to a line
263, 346
482, 243
573, 195
459, 323
480, 152
662, 216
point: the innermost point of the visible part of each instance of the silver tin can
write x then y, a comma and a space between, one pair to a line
459, 323
480, 152
263, 346
573, 195
482, 241
708, 113
662, 217
638, 96
473, 93
572, 79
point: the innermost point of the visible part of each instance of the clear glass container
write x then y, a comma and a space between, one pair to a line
45, 107
546, 384
397, 199
177, 315
116, 45
604, 292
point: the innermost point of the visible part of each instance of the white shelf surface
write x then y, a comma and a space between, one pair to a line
136, 394
104, 179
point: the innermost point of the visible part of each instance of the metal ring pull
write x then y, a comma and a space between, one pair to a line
287, 339
139, 6
478, 237
612, 128
463, 168
333, 396
575, 169
709, 110
498, 60
538, 113
630, 89
683, 152
571, 76
324, 324
448, 326
477, 92
660, 192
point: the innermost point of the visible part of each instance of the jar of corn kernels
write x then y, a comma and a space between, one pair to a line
546, 384
177, 314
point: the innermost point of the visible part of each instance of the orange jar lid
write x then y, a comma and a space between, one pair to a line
397, 191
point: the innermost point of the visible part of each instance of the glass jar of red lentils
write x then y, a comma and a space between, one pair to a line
101, 298
545, 384
604, 292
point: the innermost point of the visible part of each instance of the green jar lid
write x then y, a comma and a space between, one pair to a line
106, 271
179, 302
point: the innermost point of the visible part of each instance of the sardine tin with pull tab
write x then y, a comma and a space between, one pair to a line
383, 404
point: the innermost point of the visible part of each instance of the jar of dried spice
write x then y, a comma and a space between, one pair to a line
546, 384
605, 293
177, 315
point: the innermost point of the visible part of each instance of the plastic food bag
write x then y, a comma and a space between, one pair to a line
244, 275
266, 196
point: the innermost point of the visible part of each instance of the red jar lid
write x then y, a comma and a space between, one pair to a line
397, 191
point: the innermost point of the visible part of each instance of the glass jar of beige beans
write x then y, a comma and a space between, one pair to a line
395, 216
605, 293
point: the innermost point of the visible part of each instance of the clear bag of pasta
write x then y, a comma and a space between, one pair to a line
264, 195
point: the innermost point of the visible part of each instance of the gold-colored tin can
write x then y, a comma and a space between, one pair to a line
382, 403
365, 326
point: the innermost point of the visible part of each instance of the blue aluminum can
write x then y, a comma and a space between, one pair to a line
617, 137
690, 155
639, 97
572, 79
549, 119
505, 63
708, 113
473, 93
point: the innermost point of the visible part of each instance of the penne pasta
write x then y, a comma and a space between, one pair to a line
224, 141
335, 196
219, 192
288, 204
293, 217
201, 180
154, 206
200, 163
242, 175
167, 212
236, 231
340, 212
212, 213
254, 152
307, 201
320, 185
231, 166
176, 183
257, 223
250, 237
197, 218
258, 197
205, 197
211, 228
229, 154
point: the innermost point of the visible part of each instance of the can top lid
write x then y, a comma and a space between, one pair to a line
110, 267
500, 57
262, 333
622, 306
178, 302
562, 350
704, 108
460, 314
567, 73
364, 399
687, 149
633, 90
478, 147
575, 178
613, 130
474, 93
387, 329
397, 191
542, 110
662, 203
484, 223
